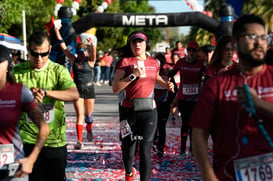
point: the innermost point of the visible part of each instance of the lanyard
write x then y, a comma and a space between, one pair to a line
251, 110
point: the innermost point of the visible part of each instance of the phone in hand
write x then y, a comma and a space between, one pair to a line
13, 168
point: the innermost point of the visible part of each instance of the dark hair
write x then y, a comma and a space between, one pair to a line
219, 49
239, 26
38, 38
269, 56
126, 50
161, 57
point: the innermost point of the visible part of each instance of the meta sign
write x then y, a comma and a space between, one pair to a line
145, 20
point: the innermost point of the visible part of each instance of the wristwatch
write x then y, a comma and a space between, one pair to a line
132, 77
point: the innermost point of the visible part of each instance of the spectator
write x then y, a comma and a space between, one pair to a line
97, 71
16, 99
136, 74
107, 59
223, 103
51, 84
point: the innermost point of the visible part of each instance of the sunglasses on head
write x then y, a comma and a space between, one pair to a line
35, 54
81, 50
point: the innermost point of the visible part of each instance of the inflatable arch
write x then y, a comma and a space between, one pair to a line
218, 27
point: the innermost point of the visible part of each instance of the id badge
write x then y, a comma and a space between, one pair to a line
6, 154
47, 110
125, 129
256, 168
190, 89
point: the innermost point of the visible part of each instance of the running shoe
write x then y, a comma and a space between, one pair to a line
160, 153
78, 145
89, 135
132, 175
173, 120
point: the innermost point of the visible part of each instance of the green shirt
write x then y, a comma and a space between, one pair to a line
52, 77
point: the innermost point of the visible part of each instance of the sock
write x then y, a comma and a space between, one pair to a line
79, 128
89, 127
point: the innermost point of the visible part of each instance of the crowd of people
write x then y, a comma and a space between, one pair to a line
223, 91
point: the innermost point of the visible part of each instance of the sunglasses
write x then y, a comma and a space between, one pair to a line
81, 50
35, 54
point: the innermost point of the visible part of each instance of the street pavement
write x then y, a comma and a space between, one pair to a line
101, 158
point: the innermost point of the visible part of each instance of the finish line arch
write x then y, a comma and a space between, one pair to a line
224, 26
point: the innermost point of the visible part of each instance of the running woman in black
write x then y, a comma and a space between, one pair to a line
83, 69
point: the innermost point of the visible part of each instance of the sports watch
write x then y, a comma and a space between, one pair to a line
132, 77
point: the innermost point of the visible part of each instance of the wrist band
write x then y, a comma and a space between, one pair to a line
45, 92
60, 41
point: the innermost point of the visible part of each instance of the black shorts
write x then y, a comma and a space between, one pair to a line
87, 92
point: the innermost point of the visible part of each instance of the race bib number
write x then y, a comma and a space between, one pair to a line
125, 129
190, 89
47, 110
6, 154
256, 168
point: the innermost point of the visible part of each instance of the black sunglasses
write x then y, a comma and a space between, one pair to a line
35, 54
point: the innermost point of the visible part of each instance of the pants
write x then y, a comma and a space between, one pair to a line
50, 164
97, 73
163, 111
186, 109
142, 124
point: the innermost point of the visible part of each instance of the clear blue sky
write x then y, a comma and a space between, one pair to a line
173, 6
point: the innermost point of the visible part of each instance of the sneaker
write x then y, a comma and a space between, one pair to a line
160, 154
98, 84
106, 82
131, 177
173, 120
183, 155
78, 145
89, 135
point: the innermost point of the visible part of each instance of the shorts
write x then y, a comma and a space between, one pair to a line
50, 164
87, 92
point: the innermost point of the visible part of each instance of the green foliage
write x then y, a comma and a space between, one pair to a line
112, 38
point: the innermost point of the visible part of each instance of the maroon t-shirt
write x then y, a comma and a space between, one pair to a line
142, 86
190, 79
217, 107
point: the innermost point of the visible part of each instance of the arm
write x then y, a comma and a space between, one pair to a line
28, 162
265, 107
167, 85
92, 56
120, 82
70, 94
200, 150
63, 46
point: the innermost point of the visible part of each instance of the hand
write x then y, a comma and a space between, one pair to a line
241, 94
170, 85
26, 167
89, 40
137, 71
38, 94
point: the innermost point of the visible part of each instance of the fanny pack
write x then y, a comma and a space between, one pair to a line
143, 104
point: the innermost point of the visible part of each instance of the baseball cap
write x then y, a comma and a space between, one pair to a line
138, 35
193, 44
5, 54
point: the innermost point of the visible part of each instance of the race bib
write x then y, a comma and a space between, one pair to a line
125, 129
256, 168
47, 110
190, 89
6, 154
